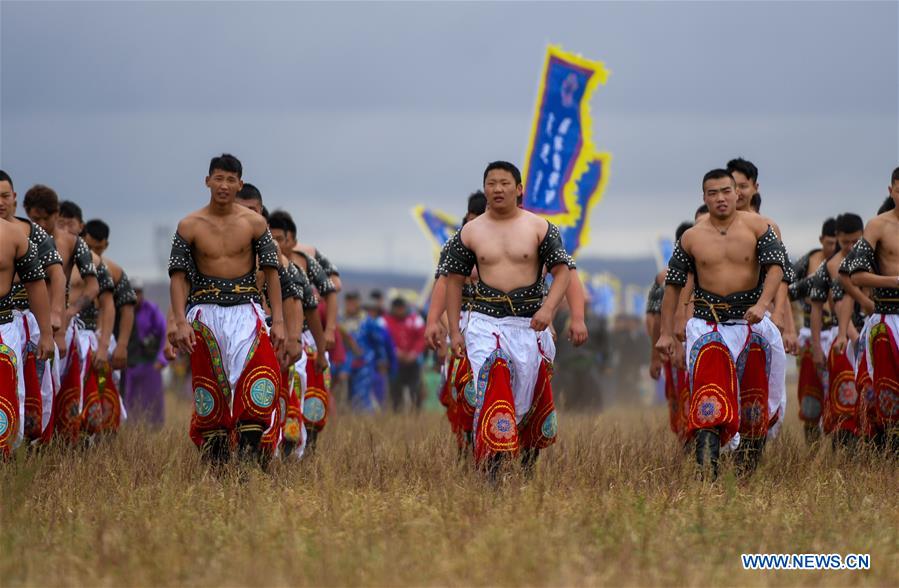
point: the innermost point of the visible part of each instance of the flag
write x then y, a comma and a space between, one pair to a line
564, 176
663, 251
437, 226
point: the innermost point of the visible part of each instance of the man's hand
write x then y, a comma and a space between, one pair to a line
294, 350
577, 332
120, 357
183, 339
541, 319
755, 314
321, 362
839, 344
276, 334
45, 347
56, 320
791, 342
655, 367
169, 351
457, 342
680, 356
330, 338
666, 346
818, 357
867, 306
101, 358
435, 334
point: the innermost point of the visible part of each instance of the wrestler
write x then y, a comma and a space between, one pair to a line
874, 263
19, 264
88, 338
105, 408
41, 377
673, 378
737, 262
830, 352
41, 204
218, 320
811, 378
508, 326
745, 175
316, 396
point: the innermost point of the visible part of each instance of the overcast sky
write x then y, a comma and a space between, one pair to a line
350, 114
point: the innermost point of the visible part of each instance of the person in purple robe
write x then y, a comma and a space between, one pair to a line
143, 394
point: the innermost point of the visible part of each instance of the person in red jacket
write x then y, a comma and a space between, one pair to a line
407, 329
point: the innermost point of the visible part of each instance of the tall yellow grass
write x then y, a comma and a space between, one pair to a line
387, 503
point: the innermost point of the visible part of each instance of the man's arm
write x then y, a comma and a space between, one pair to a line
273, 286
577, 303
454, 283
434, 329
57, 292
293, 310
544, 317
330, 320
32, 275
773, 278
126, 324
665, 343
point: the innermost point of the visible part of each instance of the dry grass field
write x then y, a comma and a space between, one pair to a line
386, 503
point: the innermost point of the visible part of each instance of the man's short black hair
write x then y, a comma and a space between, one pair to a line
704, 209
41, 197
282, 220
715, 174
681, 229
887, 205
829, 228
893, 179
506, 166
96, 229
353, 295
68, 209
747, 168
249, 192
227, 163
376, 294
850, 223
4, 177
755, 203
477, 203
398, 302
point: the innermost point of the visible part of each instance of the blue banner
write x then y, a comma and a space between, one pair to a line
438, 226
564, 177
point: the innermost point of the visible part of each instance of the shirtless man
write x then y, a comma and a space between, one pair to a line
508, 325
673, 378
87, 338
39, 375
830, 351
41, 204
874, 263
315, 380
727, 253
110, 407
218, 320
19, 261
811, 379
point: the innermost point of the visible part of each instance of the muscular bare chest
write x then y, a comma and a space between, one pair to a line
725, 250
506, 246
231, 240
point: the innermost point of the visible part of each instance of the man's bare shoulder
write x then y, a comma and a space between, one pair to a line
757, 223
540, 224
188, 224
254, 220
12, 236
309, 250
65, 241
115, 269
693, 233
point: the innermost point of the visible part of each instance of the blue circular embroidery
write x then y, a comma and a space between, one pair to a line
811, 407
503, 425
203, 402
550, 425
471, 395
707, 409
4, 422
263, 392
314, 409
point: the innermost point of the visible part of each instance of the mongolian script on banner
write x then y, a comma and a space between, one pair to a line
564, 176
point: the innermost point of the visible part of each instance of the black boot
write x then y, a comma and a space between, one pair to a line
708, 449
216, 448
249, 443
748, 454
494, 465
529, 461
